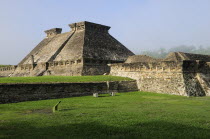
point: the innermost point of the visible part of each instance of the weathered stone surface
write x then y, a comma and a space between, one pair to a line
180, 56
53, 32
141, 58
7, 71
95, 94
85, 50
186, 77
26, 92
113, 93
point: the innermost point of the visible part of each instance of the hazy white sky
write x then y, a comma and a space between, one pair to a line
138, 24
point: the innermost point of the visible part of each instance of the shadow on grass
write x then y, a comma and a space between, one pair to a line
109, 96
67, 109
103, 96
156, 129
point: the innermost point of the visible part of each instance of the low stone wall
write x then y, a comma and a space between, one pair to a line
7, 71
10, 93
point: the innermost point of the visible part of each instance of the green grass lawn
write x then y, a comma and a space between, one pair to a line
54, 79
127, 115
4, 65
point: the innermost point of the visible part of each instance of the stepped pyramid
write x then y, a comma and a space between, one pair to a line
181, 56
85, 50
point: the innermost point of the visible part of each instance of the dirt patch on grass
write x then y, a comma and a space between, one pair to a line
40, 111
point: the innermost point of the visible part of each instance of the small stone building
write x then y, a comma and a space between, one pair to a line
85, 50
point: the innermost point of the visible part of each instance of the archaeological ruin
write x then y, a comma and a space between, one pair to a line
85, 50
88, 49
179, 73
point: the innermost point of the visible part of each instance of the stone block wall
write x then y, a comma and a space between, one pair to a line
95, 69
153, 77
7, 71
65, 68
30, 70
97, 66
72, 67
10, 93
179, 78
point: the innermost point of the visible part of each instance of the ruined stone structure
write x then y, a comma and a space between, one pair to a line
179, 73
85, 50
88, 49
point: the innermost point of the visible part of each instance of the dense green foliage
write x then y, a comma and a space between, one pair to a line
55, 79
162, 52
127, 115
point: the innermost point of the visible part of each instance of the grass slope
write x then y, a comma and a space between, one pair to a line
4, 66
54, 79
127, 115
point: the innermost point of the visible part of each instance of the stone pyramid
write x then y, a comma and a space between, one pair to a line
85, 50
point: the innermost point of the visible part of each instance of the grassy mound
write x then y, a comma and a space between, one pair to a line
127, 115
55, 79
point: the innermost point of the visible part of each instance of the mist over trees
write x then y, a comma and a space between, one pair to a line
162, 52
